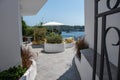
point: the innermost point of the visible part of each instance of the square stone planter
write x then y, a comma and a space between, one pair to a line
49, 47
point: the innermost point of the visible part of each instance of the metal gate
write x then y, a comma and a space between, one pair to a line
104, 53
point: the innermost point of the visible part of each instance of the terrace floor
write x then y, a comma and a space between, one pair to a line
56, 66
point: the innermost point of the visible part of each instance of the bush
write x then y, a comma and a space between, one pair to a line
69, 40
26, 55
39, 35
54, 38
38, 42
12, 73
29, 31
24, 27
80, 44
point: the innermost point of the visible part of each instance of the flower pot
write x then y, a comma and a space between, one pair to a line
31, 73
69, 45
49, 47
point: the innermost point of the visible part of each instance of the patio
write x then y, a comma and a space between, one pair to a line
56, 66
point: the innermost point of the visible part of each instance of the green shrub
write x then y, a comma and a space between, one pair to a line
54, 38
27, 30
39, 35
12, 73
24, 27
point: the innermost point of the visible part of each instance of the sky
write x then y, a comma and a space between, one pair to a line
68, 12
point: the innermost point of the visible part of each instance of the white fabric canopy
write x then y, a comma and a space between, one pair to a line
52, 24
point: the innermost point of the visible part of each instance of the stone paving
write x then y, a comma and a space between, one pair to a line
56, 66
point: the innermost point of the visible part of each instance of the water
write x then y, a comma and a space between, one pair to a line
75, 34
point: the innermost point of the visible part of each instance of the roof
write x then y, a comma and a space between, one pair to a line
31, 7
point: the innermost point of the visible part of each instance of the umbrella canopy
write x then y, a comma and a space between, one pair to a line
52, 24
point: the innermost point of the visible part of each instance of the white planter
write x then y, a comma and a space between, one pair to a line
69, 45
84, 68
31, 73
48, 47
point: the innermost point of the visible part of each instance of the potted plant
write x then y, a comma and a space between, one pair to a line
54, 43
25, 71
39, 37
29, 63
13, 73
69, 42
79, 45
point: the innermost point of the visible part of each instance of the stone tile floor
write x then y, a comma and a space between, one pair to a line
56, 66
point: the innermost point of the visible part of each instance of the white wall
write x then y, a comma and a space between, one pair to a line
84, 68
10, 33
89, 21
112, 20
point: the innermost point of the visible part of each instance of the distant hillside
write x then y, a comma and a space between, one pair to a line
67, 28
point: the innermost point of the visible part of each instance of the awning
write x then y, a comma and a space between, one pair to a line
31, 7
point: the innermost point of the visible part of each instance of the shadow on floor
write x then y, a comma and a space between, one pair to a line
37, 46
49, 52
71, 73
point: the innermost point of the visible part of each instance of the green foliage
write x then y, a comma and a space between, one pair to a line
29, 31
12, 73
39, 26
39, 34
24, 27
26, 30
54, 30
54, 38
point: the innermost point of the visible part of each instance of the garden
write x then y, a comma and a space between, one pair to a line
51, 39
22, 71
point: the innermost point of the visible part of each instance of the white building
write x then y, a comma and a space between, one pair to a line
112, 37
11, 12
112, 20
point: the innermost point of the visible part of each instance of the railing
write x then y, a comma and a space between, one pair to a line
104, 53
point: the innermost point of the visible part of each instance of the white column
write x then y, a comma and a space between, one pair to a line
10, 33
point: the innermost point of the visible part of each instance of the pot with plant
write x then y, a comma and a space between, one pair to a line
54, 43
25, 71
79, 45
69, 42
13, 73
39, 36
29, 63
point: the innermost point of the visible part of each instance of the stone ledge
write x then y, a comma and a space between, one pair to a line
88, 54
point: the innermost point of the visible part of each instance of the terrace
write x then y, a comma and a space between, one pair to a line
56, 66
103, 40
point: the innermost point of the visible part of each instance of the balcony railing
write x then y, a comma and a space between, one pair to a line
104, 53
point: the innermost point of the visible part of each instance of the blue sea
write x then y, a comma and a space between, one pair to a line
75, 35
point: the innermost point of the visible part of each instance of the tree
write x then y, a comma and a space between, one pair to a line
27, 30
24, 28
